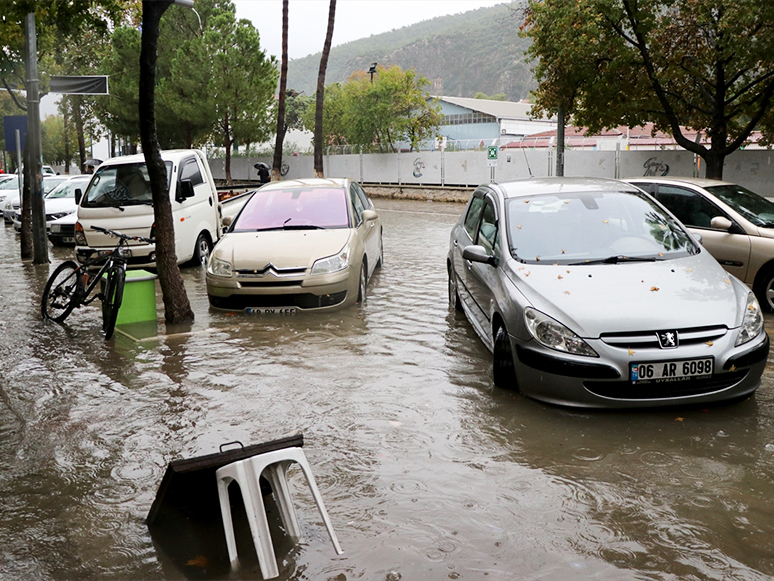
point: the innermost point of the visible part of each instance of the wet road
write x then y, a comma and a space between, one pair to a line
428, 471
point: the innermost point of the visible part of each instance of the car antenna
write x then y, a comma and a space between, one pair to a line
524, 151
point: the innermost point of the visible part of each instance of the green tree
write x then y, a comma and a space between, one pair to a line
56, 134
394, 107
495, 97
242, 83
701, 64
333, 128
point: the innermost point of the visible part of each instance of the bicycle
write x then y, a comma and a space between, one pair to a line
70, 285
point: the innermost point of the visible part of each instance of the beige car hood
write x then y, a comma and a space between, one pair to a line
282, 248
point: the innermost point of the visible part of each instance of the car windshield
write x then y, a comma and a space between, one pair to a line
294, 208
10, 184
593, 227
121, 185
66, 189
755, 208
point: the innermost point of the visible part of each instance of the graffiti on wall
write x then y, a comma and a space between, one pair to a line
654, 167
419, 165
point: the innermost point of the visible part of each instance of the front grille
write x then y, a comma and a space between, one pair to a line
649, 339
269, 283
625, 390
301, 301
253, 272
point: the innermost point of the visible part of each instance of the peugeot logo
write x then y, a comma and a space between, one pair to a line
667, 339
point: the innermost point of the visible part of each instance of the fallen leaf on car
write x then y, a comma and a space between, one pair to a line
689, 269
568, 272
654, 288
537, 258
199, 561
725, 280
521, 268
518, 226
661, 254
526, 273
566, 292
732, 368
710, 343
562, 250
631, 351
526, 201
567, 201
560, 277
606, 221
678, 419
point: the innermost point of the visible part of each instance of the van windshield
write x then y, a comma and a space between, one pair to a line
121, 185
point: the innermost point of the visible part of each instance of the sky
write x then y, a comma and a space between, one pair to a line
355, 19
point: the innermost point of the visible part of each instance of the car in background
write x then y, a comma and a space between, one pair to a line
59, 202
297, 245
590, 294
736, 225
12, 202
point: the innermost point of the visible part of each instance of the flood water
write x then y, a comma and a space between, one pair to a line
427, 470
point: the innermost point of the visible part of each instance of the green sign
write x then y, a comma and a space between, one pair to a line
491, 152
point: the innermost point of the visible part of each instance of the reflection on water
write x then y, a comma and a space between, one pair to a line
427, 470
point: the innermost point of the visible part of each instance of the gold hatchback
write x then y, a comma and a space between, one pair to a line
297, 245
736, 225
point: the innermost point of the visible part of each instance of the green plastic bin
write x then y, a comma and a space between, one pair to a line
139, 302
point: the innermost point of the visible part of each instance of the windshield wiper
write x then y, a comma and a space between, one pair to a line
616, 259
302, 227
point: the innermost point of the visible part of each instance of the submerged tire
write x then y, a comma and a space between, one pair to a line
114, 294
503, 371
363, 283
454, 296
60, 295
201, 250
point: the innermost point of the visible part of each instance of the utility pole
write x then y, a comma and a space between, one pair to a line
39, 240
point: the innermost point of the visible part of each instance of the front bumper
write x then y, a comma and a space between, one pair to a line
603, 382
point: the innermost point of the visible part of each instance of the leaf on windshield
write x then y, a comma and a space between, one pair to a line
653, 288
560, 277
606, 221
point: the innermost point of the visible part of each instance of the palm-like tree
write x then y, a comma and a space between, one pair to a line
276, 170
318, 115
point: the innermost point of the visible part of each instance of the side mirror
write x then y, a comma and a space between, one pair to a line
185, 190
476, 253
721, 223
78, 196
369, 215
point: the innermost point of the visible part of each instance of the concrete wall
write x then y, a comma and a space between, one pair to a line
753, 169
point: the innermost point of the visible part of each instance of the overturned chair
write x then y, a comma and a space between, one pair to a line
247, 473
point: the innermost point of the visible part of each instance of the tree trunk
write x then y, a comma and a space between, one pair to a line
177, 309
27, 250
67, 159
78, 120
276, 169
227, 143
714, 162
320, 95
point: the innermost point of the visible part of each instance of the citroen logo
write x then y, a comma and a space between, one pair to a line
667, 339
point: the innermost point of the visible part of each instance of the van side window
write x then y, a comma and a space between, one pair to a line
189, 170
474, 213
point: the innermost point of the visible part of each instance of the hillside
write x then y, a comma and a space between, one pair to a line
460, 54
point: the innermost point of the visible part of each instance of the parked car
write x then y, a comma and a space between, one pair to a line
297, 244
59, 202
590, 294
12, 201
119, 197
735, 224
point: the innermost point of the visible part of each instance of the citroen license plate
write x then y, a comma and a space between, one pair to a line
671, 370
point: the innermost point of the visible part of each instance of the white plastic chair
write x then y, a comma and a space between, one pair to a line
247, 474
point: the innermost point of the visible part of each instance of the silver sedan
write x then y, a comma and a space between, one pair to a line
590, 294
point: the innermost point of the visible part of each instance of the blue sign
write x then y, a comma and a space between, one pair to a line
11, 123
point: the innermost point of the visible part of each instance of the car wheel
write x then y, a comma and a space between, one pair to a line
503, 372
202, 250
361, 289
764, 289
454, 296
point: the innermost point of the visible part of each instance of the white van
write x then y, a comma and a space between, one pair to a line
119, 198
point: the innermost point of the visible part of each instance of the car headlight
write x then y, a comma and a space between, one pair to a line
552, 334
752, 324
57, 215
218, 267
334, 263
80, 235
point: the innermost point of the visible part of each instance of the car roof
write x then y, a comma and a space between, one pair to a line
173, 155
560, 185
307, 183
699, 182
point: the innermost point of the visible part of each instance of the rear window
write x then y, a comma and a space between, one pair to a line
294, 208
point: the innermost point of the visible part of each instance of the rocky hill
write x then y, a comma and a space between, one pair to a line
460, 54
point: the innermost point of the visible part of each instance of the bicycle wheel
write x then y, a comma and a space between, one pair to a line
114, 293
62, 292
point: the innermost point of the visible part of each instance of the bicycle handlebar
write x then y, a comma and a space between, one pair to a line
122, 236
